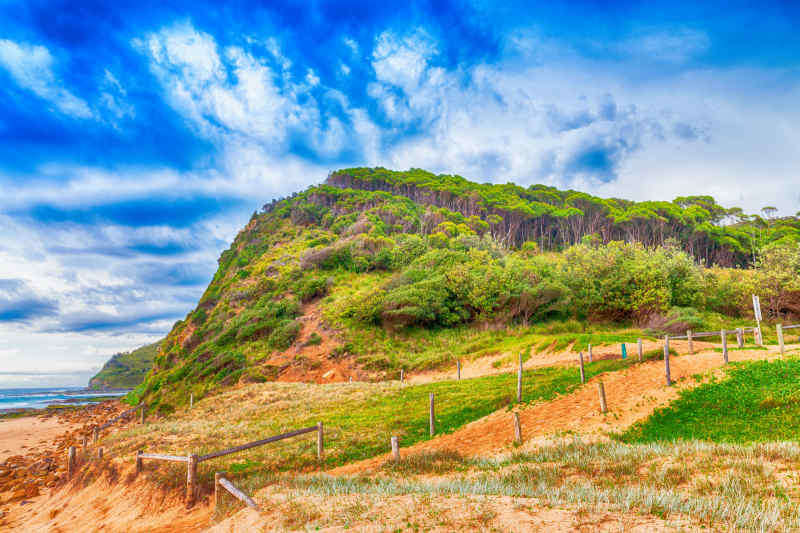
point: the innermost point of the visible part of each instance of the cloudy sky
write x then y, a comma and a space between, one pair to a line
136, 138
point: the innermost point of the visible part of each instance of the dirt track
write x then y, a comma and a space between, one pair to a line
632, 394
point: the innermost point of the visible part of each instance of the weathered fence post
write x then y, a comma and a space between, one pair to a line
395, 449
583, 376
191, 400
191, 480
590, 353
217, 488
402, 375
739, 338
759, 337
458, 369
639, 347
100, 452
666, 359
517, 429
431, 416
602, 390
779, 328
350, 379
141, 415
724, 335
519, 380
95, 435
320, 441
71, 461
689, 341
139, 461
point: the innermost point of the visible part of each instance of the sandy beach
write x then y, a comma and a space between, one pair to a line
19, 436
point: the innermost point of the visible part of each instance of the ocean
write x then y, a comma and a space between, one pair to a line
41, 398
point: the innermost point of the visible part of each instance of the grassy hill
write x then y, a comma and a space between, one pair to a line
127, 369
376, 271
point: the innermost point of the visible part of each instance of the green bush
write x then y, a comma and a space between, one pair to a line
283, 336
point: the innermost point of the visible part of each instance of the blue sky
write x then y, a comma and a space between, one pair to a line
137, 138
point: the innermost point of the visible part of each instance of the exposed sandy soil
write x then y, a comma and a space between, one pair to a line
305, 362
109, 503
23, 435
431, 513
484, 366
632, 394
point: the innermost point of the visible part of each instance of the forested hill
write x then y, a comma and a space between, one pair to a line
374, 271
555, 219
127, 369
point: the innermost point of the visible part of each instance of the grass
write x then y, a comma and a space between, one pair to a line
719, 486
756, 402
359, 418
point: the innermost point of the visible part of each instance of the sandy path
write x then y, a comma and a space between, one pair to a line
632, 395
19, 436
484, 366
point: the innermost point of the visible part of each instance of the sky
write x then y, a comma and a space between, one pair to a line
137, 138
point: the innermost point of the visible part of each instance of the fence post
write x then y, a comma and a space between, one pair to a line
458, 368
84, 441
141, 415
431, 416
95, 434
217, 491
320, 441
724, 336
739, 338
350, 379
602, 390
191, 480
395, 449
191, 400
402, 375
666, 359
624, 351
138, 461
590, 353
779, 327
71, 461
689, 341
100, 452
760, 337
517, 429
583, 376
519, 380
639, 347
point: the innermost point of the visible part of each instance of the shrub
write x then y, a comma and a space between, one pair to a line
283, 336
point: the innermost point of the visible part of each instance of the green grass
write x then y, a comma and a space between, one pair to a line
756, 402
359, 418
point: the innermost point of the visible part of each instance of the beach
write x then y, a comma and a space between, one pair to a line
20, 436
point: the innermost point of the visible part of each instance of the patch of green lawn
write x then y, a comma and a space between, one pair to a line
757, 402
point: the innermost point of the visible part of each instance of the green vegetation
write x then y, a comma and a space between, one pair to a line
713, 486
359, 418
127, 369
756, 402
412, 270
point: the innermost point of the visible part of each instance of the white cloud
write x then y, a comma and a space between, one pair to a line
667, 46
31, 66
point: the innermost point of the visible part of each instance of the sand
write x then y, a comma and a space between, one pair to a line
18, 436
632, 395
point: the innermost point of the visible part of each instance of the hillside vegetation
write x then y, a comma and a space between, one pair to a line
126, 370
376, 270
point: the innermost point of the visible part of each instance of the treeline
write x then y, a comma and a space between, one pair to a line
556, 219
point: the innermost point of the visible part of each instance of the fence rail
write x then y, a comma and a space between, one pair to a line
243, 447
159, 457
220, 481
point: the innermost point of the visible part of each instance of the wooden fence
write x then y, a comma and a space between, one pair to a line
193, 460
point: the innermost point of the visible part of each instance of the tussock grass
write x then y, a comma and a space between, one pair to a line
721, 486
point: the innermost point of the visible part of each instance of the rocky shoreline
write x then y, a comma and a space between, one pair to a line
25, 476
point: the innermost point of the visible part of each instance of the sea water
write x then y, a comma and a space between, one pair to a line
39, 398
